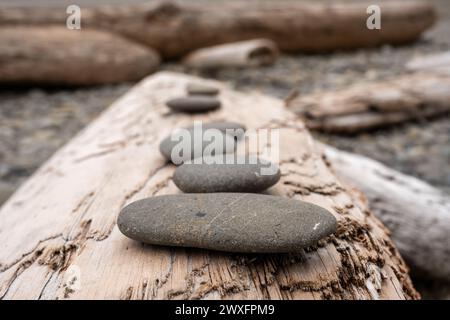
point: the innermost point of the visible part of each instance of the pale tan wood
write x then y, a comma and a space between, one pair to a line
368, 106
437, 62
416, 213
176, 28
63, 219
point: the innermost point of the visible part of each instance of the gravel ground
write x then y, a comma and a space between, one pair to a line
36, 122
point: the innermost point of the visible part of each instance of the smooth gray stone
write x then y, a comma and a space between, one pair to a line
167, 144
193, 104
201, 89
232, 128
235, 222
242, 176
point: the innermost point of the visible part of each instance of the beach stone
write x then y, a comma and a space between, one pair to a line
232, 128
201, 89
193, 104
235, 222
167, 144
243, 175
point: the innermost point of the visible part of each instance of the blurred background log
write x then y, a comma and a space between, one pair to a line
54, 55
438, 62
60, 240
175, 29
416, 213
250, 53
362, 107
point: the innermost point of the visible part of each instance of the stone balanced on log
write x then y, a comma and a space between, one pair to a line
220, 210
94, 176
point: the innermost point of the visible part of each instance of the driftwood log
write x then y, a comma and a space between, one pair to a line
57, 56
249, 53
176, 29
361, 107
438, 62
60, 240
417, 214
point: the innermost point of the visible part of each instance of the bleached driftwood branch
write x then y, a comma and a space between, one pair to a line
367, 106
438, 63
417, 214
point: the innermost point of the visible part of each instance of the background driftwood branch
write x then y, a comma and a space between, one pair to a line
174, 29
416, 213
367, 106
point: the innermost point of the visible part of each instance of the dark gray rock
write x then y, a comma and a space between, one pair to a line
236, 222
194, 104
201, 89
242, 175
197, 147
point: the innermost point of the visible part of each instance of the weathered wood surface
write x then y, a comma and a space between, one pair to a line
416, 213
59, 228
174, 29
368, 106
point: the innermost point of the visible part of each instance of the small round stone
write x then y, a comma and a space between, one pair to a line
235, 222
194, 104
167, 145
201, 89
214, 174
231, 128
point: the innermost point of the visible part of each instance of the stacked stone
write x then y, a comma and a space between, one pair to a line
221, 209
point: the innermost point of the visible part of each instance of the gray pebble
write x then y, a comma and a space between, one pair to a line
241, 175
193, 104
197, 149
235, 222
232, 128
201, 89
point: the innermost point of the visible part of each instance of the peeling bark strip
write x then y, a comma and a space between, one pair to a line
368, 106
64, 217
417, 214
176, 29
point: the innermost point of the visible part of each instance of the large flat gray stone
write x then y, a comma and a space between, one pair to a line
237, 222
